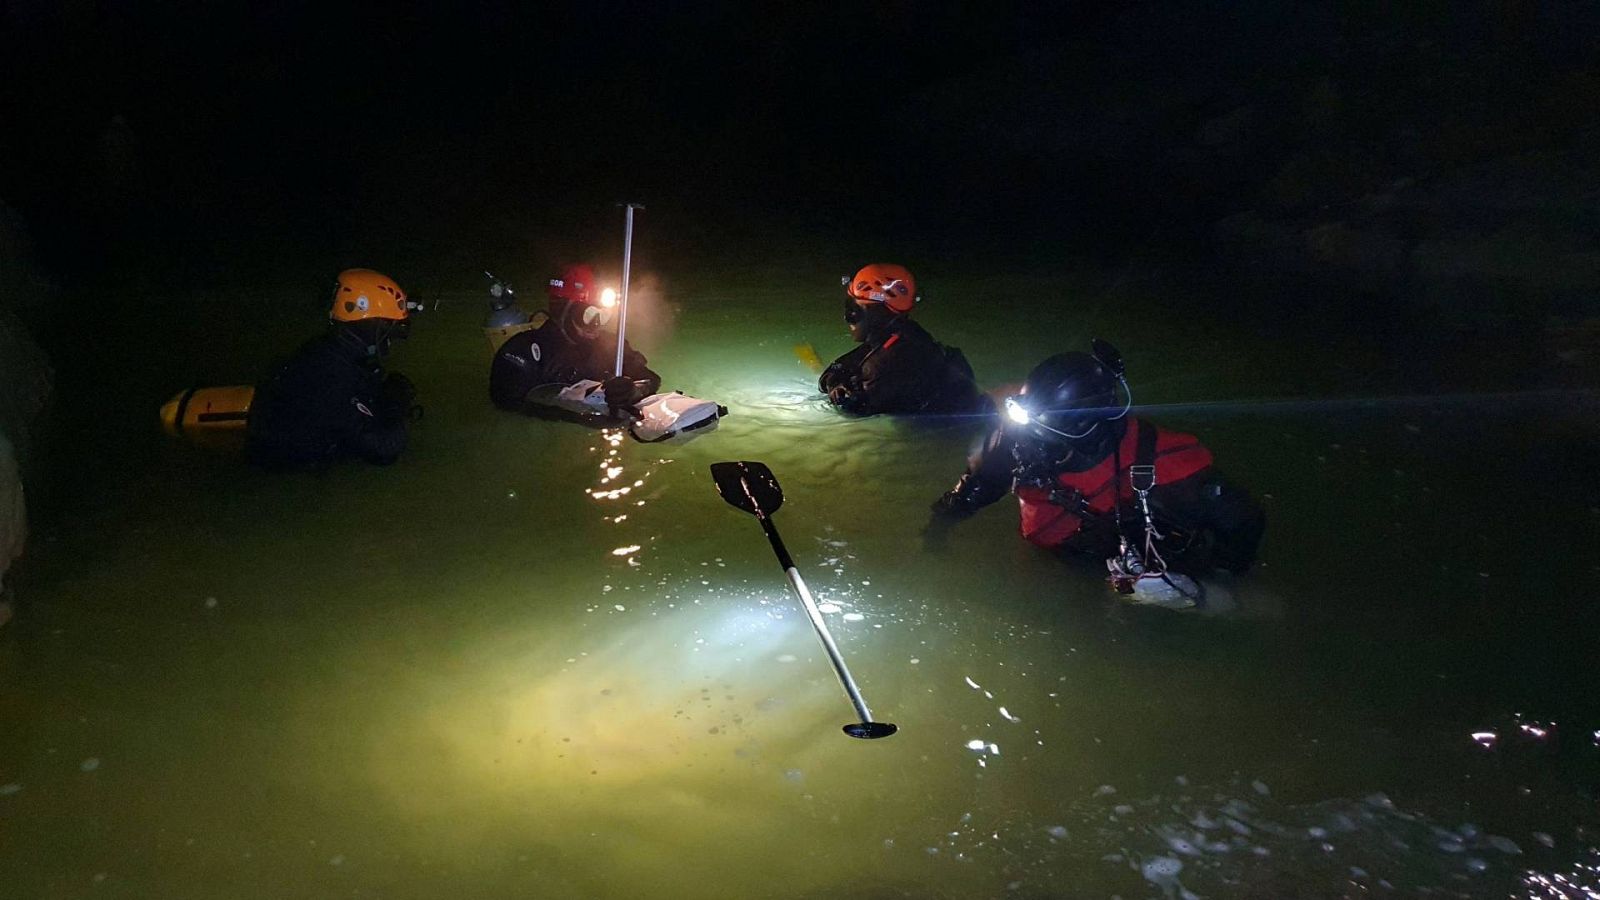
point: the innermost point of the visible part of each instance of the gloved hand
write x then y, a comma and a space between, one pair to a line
840, 395
831, 377
621, 394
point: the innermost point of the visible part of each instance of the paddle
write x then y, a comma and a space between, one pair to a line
808, 357
752, 487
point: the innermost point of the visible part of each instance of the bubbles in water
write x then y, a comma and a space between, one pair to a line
1504, 845
1059, 832
1161, 870
1182, 845
90, 764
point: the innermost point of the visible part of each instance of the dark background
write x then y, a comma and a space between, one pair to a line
283, 140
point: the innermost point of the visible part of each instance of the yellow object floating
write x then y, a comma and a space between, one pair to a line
808, 354
202, 414
498, 336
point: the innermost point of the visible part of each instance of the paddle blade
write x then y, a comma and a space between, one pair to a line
750, 486
870, 731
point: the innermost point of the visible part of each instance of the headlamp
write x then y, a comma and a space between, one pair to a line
1016, 412
608, 298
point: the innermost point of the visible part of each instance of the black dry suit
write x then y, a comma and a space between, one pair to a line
548, 358
1076, 502
329, 401
902, 369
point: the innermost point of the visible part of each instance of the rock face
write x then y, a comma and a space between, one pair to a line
1511, 232
13, 514
25, 380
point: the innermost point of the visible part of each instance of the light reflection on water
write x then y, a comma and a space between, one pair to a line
580, 675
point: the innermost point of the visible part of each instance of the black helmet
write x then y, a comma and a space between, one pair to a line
1069, 395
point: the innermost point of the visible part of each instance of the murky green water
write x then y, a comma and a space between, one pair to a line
533, 660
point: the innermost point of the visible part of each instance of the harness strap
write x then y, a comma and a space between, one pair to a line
1142, 474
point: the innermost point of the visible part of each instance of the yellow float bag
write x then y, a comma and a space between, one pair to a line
200, 413
498, 336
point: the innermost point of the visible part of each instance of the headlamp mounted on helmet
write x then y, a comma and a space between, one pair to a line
1068, 405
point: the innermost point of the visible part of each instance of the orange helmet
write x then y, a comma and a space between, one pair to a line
574, 285
365, 294
884, 283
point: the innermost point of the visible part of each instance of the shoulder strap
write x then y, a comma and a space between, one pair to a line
1145, 454
1142, 474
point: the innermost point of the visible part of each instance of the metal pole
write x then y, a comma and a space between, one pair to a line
627, 266
832, 649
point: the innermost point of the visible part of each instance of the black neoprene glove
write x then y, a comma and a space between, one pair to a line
621, 393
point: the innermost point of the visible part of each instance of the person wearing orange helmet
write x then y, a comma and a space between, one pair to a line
532, 366
899, 367
332, 399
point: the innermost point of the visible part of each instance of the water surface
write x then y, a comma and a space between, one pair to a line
533, 659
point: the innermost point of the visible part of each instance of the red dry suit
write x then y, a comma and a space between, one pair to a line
1051, 522
1206, 522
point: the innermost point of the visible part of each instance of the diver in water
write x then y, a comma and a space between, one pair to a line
332, 400
899, 367
1093, 480
531, 367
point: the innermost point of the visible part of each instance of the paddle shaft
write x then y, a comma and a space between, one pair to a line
817, 623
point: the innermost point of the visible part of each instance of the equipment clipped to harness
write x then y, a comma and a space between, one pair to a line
1142, 572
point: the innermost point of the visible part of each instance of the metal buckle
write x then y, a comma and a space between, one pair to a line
1146, 472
